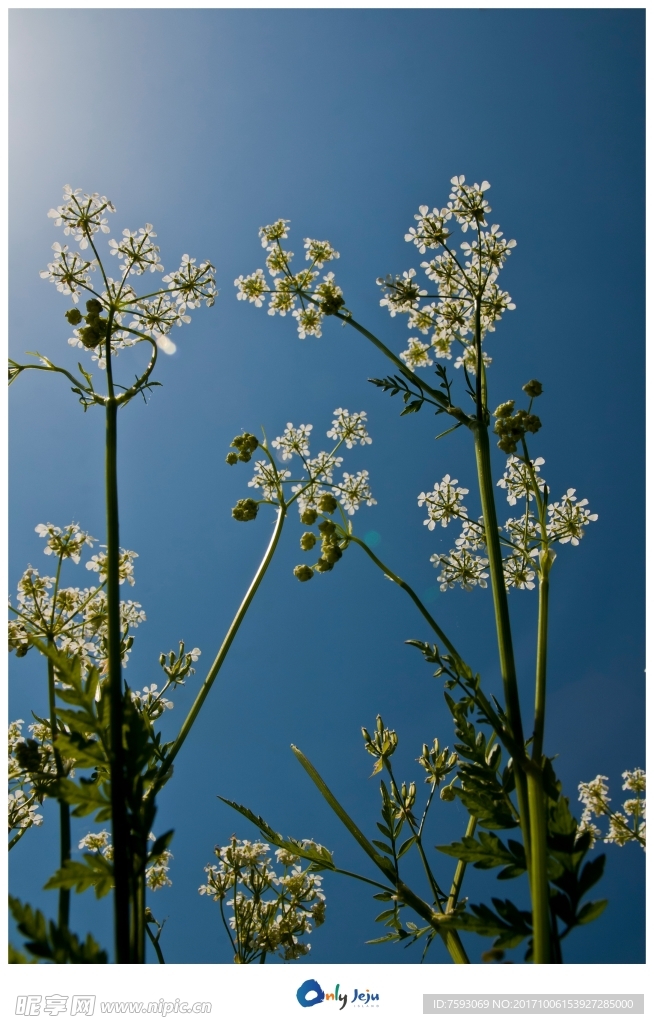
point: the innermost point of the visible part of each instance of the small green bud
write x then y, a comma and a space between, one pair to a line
89, 337
327, 527
448, 794
331, 553
73, 316
505, 409
245, 510
308, 541
309, 516
94, 307
232, 458
331, 304
28, 755
328, 504
533, 388
303, 573
322, 565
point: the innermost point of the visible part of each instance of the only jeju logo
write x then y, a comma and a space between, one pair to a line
310, 994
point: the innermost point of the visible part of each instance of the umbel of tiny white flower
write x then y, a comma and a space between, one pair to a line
273, 910
463, 282
150, 317
294, 293
627, 825
75, 618
316, 492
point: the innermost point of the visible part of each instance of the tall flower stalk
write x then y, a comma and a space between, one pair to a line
116, 318
458, 316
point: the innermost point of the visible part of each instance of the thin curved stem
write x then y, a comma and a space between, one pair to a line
412, 594
223, 651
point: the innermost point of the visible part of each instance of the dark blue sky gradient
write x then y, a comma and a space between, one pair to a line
209, 124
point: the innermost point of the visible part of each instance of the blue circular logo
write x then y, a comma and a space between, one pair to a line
311, 989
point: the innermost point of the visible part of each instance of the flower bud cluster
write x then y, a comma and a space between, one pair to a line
511, 426
437, 763
381, 745
245, 510
245, 444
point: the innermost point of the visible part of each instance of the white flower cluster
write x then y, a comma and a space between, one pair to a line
463, 284
150, 317
76, 618
272, 910
317, 479
523, 535
627, 825
156, 874
25, 794
293, 293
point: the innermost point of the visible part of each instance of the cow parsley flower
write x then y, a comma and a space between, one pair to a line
138, 251
473, 536
568, 517
635, 780
66, 543
266, 477
430, 232
323, 465
158, 316
518, 573
443, 503
460, 567
467, 203
252, 288
402, 294
417, 354
349, 428
517, 480
274, 232
191, 284
354, 491
309, 321
468, 358
319, 253
81, 214
294, 441
69, 271
98, 563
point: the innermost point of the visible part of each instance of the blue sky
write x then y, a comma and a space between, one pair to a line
208, 124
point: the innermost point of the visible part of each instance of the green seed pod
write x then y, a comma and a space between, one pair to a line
533, 388
73, 316
308, 541
328, 503
231, 459
245, 510
303, 573
94, 307
309, 516
448, 794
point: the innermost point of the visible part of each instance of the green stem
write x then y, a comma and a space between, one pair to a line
412, 594
120, 827
541, 661
460, 871
222, 653
502, 620
154, 939
539, 883
64, 809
